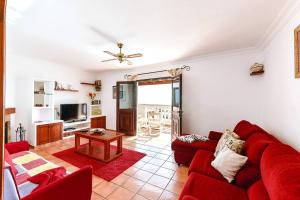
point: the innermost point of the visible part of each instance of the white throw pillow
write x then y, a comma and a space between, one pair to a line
228, 163
228, 134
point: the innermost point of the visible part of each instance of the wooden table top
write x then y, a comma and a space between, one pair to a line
107, 136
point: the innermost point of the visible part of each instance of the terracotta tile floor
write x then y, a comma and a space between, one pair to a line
156, 176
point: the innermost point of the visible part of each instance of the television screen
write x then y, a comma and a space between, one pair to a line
73, 112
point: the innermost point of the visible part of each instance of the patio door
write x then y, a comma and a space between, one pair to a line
126, 107
176, 106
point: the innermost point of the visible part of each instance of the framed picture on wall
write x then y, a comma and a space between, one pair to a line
297, 52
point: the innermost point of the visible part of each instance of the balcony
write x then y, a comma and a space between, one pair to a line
153, 120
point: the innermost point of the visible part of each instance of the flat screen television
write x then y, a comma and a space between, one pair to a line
73, 112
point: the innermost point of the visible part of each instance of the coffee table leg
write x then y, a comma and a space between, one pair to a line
106, 151
119, 145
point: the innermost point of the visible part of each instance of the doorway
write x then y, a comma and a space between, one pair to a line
150, 109
154, 111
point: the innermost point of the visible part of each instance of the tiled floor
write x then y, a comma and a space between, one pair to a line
156, 176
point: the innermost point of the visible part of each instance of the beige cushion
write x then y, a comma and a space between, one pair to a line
228, 163
226, 138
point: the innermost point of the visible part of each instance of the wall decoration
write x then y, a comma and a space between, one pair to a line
92, 95
297, 52
256, 69
98, 85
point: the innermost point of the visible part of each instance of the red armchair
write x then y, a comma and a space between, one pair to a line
75, 186
15, 147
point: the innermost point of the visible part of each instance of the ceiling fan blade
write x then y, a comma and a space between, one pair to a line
129, 62
108, 60
110, 53
136, 55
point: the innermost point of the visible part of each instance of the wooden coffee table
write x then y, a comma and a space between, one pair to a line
96, 150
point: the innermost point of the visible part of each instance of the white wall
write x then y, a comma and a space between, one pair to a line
281, 108
22, 71
217, 92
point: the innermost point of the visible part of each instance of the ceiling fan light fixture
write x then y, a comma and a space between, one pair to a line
121, 57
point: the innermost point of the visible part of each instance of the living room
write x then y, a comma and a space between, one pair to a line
226, 62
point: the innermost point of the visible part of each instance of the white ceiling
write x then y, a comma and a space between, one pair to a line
63, 31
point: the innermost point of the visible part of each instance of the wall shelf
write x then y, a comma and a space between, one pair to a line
66, 90
9, 111
84, 83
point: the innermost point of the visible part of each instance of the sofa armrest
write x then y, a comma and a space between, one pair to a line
188, 197
214, 135
75, 186
15, 147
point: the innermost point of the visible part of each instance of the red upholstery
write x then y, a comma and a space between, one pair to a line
247, 176
280, 170
43, 179
204, 187
76, 186
214, 135
255, 146
202, 164
9, 161
244, 129
184, 152
188, 197
271, 172
15, 147
258, 191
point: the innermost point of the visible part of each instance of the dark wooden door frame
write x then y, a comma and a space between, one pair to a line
158, 81
180, 112
2, 86
118, 105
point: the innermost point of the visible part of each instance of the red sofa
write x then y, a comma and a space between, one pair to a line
271, 172
77, 185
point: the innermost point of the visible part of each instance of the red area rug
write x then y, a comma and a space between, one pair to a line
107, 171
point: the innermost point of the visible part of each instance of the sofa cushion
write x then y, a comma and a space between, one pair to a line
209, 145
280, 170
228, 163
201, 163
9, 161
247, 176
244, 129
258, 191
214, 135
255, 146
184, 152
204, 187
231, 140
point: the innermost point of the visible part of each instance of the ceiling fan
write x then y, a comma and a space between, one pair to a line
121, 57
